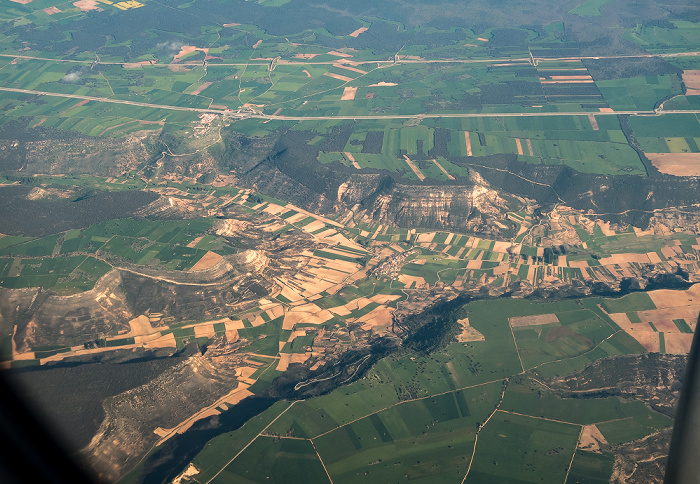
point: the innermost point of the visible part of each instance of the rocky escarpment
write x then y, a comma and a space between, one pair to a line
475, 207
42, 318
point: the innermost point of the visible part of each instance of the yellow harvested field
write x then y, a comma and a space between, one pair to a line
283, 363
139, 326
359, 31
328, 221
340, 311
668, 252
519, 146
654, 257
347, 153
296, 218
571, 77
210, 259
407, 280
536, 320
578, 264
167, 341
340, 65
569, 81
343, 266
665, 298
414, 168
591, 439
691, 79
678, 164
287, 358
677, 343
232, 325
468, 142
378, 317
237, 395
425, 238
384, 298
443, 170
529, 147
289, 293
623, 259
195, 241
84, 5
204, 330
383, 84
240, 392
594, 122
648, 339
314, 226
348, 93
562, 261
201, 88
606, 110
531, 272
605, 228
50, 10
29, 355
338, 76
338, 54
482, 39
188, 49
276, 312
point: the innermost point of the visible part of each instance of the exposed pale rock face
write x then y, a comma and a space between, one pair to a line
475, 207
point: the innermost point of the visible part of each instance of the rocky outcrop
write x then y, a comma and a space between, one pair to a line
474, 207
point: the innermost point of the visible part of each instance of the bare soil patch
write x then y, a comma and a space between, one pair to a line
140, 326
51, 10
468, 332
536, 320
591, 439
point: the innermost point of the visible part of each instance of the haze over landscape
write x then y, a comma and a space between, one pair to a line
297, 241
